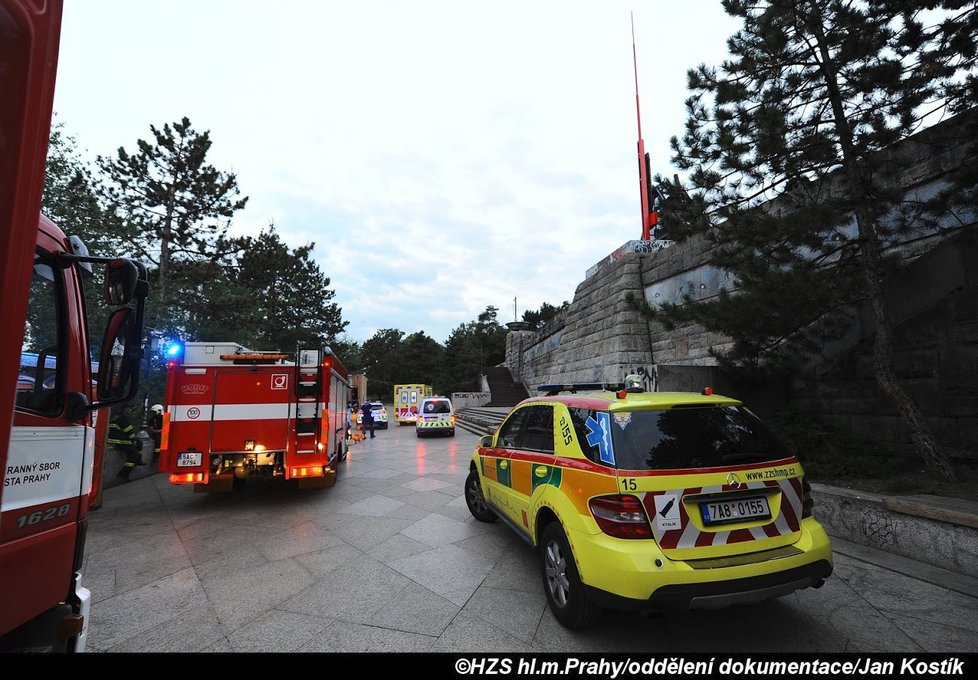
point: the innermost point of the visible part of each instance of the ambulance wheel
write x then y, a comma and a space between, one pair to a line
561, 582
476, 501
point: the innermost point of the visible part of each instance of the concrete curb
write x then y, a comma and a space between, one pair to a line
959, 583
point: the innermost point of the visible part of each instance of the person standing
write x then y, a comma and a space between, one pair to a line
368, 419
122, 435
155, 428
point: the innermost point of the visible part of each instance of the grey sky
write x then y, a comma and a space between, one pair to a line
444, 156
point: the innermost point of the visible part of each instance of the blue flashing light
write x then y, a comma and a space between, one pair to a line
174, 350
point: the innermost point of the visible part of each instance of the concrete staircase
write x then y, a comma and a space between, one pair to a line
505, 391
481, 420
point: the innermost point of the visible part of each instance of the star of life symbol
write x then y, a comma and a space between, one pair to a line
599, 434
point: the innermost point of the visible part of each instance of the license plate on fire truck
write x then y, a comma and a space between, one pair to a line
740, 510
189, 459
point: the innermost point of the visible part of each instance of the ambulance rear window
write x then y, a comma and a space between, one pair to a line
692, 437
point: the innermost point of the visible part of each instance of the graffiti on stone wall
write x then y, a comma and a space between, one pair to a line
878, 528
694, 285
649, 247
650, 377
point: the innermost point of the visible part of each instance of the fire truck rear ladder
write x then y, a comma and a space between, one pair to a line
308, 382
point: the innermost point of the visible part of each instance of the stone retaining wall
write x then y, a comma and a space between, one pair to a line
863, 518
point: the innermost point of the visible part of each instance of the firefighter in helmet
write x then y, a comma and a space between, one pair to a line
122, 435
155, 428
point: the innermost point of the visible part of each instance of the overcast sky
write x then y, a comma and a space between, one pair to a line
443, 156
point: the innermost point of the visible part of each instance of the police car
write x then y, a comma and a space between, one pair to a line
379, 412
649, 501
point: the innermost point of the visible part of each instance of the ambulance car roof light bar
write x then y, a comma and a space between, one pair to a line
574, 388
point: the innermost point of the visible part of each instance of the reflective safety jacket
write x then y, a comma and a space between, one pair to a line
121, 431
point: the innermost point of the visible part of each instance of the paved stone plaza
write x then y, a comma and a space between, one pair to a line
390, 560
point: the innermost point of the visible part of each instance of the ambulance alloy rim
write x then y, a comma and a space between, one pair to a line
476, 500
556, 566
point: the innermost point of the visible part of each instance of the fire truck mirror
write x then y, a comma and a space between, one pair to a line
119, 356
121, 276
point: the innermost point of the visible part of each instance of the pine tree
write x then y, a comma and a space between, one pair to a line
177, 206
785, 149
286, 299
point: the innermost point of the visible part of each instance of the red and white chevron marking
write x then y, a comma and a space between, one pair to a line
688, 536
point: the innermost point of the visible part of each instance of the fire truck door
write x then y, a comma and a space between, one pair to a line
251, 406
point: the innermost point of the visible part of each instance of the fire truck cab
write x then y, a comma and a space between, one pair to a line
48, 393
232, 413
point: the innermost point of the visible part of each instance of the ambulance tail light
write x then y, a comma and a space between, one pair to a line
307, 471
187, 478
620, 516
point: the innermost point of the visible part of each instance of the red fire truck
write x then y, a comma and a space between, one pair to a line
47, 400
232, 413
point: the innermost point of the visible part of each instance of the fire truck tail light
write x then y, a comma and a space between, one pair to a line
309, 471
187, 478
